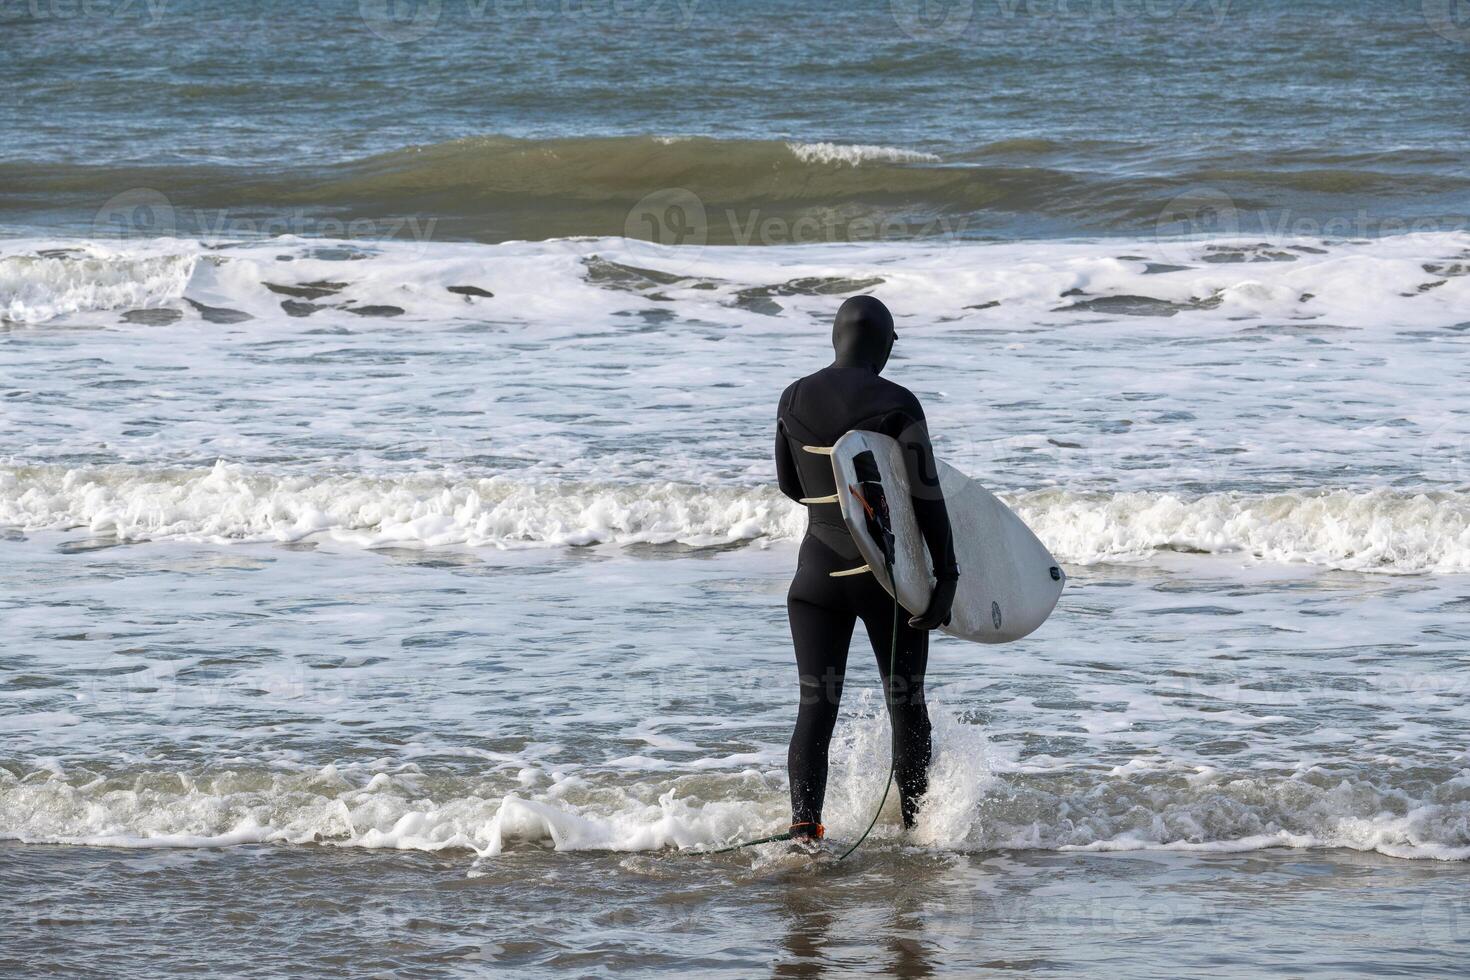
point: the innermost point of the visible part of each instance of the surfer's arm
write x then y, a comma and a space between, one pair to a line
933, 519
928, 498
786, 475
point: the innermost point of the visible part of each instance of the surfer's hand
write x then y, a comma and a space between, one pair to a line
939, 604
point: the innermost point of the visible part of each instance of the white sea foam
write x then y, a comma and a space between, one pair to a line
589, 401
976, 803
233, 503
1373, 530
1370, 530
37, 287
854, 155
1409, 280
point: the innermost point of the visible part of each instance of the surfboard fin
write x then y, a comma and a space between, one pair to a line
850, 571
819, 500
818, 450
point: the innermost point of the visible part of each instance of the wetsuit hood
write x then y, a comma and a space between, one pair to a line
862, 333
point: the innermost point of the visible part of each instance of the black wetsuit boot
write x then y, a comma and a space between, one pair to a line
816, 411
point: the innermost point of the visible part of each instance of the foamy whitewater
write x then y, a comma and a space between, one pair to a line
474, 548
1369, 530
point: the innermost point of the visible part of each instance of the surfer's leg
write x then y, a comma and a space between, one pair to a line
821, 633
821, 636
905, 689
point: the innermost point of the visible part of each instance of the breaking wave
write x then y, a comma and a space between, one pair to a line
39, 287
500, 188
976, 802
230, 502
1417, 280
1364, 530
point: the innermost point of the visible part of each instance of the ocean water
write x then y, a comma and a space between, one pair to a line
393, 577
495, 120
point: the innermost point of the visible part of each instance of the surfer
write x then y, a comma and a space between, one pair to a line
817, 410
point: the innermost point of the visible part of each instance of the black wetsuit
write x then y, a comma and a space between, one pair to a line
816, 411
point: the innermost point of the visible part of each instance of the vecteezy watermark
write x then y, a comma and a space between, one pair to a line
132, 683
678, 216
1117, 10
752, 228
1449, 19
128, 683
151, 12
670, 216
1205, 221
1198, 213
1444, 919
1444, 452
1098, 916
948, 20
144, 213
137, 213
673, 13
932, 20
403, 21
1266, 694
681, 223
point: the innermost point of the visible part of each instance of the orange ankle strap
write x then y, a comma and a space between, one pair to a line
821, 831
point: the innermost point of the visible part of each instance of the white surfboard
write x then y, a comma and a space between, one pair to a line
1009, 583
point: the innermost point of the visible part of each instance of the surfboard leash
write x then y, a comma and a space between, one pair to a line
750, 843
